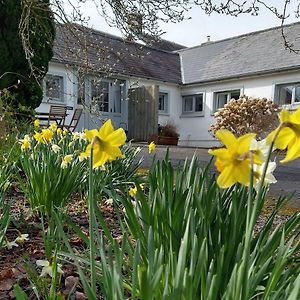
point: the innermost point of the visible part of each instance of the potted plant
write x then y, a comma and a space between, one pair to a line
167, 135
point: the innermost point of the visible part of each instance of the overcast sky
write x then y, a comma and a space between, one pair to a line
195, 30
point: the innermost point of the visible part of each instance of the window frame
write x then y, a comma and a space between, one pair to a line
62, 85
193, 112
223, 92
165, 111
295, 84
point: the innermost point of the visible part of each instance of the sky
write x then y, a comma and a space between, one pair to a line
194, 31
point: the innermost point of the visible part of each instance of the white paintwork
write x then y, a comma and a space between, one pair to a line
193, 130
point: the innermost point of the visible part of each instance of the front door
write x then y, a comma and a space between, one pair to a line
104, 101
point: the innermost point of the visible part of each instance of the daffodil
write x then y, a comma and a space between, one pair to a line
75, 136
151, 147
106, 143
261, 148
133, 190
82, 136
109, 201
22, 238
53, 126
234, 160
55, 148
47, 268
59, 131
9, 245
47, 135
38, 137
287, 136
83, 156
67, 159
25, 143
65, 132
36, 123
269, 178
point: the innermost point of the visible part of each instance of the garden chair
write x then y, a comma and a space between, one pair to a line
58, 114
75, 119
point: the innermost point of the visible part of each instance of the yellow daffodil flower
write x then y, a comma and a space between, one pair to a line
38, 137
47, 268
65, 132
289, 135
47, 135
151, 147
53, 126
83, 156
36, 123
133, 190
233, 161
25, 143
106, 143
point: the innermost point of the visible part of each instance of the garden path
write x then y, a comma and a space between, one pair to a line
287, 175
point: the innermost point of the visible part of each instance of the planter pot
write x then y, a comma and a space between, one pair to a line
164, 140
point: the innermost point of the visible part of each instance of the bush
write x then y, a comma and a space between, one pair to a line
14, 119
169, 130
245, 115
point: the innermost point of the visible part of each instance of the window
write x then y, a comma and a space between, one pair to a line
163, 103
54, 87
100, 95
222, 98
287, 93
193, 104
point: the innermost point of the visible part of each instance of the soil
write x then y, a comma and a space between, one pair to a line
18, 262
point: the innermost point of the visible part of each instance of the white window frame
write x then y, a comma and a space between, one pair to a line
193, 112
50, 99
226, 92
276, 94
164, 111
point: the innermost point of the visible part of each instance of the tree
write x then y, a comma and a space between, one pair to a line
126, 14
26, 46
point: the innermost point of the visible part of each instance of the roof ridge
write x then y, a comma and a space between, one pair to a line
119, 38
239, 36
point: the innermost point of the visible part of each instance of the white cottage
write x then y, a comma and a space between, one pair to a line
139, 86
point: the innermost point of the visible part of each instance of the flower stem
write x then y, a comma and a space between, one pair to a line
91, 223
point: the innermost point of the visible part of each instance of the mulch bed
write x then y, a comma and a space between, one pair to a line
15, 262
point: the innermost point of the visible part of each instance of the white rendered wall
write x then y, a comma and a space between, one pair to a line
69, 88
194, 130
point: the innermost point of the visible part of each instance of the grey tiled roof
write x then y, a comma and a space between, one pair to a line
100, 52
250, 54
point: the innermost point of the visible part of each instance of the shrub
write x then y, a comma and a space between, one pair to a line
245, 115
169, 129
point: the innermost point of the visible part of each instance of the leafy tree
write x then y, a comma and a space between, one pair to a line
26, 40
